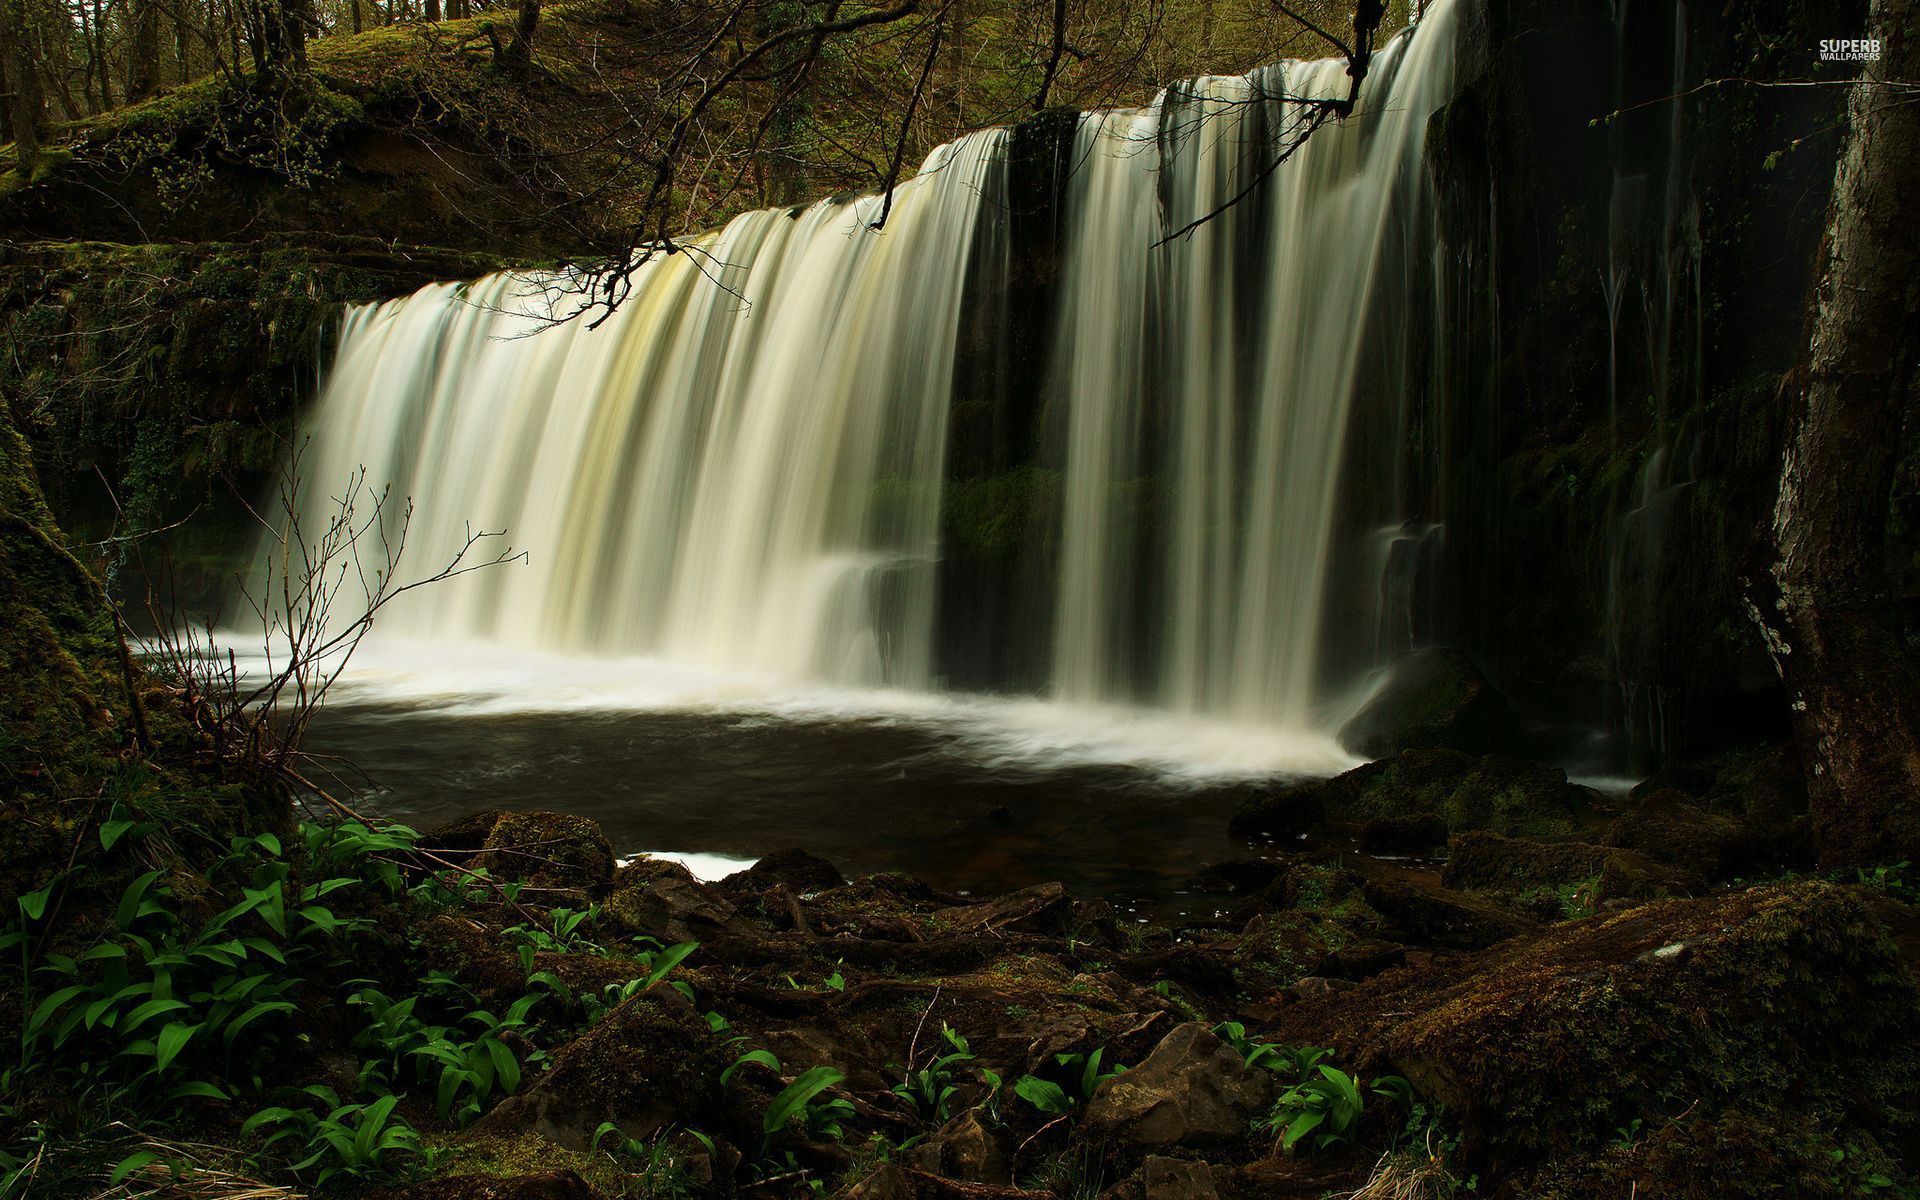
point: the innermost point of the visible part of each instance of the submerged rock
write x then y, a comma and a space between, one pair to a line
1194, 1090
1433, 697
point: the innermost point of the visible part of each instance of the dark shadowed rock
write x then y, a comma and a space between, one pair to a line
547, 850
463, 836
1511, 796
1194, 1090
1419, 834
1671, 827
662, 899
650, 1063
891, 1181
1043, 908
1433, 697
1546, 1045
1486, 861
964, 1149
1164, 1178
797, 869
1279, 813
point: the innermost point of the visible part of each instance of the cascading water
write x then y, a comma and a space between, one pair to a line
742, 469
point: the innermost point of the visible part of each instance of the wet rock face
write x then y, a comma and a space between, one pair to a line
1433, 697
1194, 1090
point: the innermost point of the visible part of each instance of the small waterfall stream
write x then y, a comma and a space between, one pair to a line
742, 470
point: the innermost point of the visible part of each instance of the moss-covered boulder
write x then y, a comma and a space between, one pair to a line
1433, 697
1412, 790
551, 851
1568, 875
1791, 1003
653, 1062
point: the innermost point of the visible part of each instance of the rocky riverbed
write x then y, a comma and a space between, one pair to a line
1536, 999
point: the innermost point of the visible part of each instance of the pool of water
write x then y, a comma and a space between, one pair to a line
969, 793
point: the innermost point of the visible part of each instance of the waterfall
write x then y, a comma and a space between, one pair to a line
743, 468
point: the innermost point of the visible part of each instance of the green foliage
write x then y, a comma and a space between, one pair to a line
1074, 1077
352, 1142
930, 1088
657, 1163
466, 1064
822, 1119
155, 1008
566, 932
1327, 1103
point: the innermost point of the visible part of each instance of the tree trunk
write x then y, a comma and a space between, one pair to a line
519, 55
1829, 610
433, 10
26, 104
143, 63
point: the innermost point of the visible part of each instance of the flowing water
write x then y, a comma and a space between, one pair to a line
734, 498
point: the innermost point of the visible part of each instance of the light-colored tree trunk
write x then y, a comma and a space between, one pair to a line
1829, 610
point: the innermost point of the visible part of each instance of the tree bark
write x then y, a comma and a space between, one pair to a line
143, 65
26, 104
519, 56
1828, 608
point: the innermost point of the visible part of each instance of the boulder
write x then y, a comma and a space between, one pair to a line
1670, 826
650, 1063
661, 899
1420, 834
1510, 796
546, 850
796, 869
1194, 1090
1486, 861
964, 1149
1164, 1178
1279, 814
1432, 697
1044, 908
1790, 1003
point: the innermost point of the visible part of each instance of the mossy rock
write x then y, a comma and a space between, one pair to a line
651, 1063
1489, 862
1793, 1000
1509, 796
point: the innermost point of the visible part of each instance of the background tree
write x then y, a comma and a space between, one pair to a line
1828, 606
